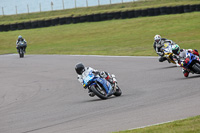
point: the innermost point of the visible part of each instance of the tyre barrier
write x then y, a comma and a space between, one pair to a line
13, 26
47, 23
117, 15
83, 19
97, 17
101, 17
62, 21
54, 21
124, 14
20, 26
34, 24
27, 25
41, 23
68, 20
76, 20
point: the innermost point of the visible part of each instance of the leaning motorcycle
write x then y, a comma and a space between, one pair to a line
191, 63
167, 52
21, 48
100, 86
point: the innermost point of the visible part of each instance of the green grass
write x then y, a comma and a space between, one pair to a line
141, 4
190, 125
115, 37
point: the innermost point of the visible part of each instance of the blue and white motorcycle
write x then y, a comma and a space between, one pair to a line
100, 86
191, 63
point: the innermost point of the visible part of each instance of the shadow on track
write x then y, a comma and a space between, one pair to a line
190, 77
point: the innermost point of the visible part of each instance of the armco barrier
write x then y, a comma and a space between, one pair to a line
101, 17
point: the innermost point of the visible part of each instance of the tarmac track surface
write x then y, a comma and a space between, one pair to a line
41, 94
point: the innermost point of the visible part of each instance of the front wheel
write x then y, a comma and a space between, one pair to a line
196, 68
118, 91
99, 91
21, 53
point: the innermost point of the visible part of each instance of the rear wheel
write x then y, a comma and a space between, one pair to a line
196, 68
99, 91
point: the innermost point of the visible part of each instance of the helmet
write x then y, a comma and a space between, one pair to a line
176, 49
157, 38
103, 74
79, 68
19, 37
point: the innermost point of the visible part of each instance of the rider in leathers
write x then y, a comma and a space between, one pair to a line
23, 40
180, 56
158, 44
83, 71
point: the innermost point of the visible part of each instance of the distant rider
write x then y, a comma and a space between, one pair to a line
158, 44
180, 56
83, 71
22, 40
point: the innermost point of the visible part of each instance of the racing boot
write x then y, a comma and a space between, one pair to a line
161, 59
185, 72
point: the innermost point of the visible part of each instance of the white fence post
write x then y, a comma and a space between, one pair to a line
87, 3
110, 2
40, 7
16, 9
63, 4
51, 5
98, 2
28, 8
75, 3
2, 11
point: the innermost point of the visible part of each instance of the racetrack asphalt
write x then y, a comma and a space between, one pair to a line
41, 94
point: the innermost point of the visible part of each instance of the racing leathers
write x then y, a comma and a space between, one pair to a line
181, 59
25, 44
158, 48
102, 74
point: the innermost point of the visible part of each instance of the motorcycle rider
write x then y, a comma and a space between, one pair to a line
83, 71
20, 38
180, 57
158, 44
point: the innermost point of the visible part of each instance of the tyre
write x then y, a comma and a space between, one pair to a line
21, 53
118, 92
99, 91
196, 68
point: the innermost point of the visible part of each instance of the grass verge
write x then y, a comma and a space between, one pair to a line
190, 125
130, 37
140, 4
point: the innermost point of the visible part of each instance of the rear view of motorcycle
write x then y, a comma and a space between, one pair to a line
101, 87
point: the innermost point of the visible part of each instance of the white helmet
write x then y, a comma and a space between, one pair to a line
157, 38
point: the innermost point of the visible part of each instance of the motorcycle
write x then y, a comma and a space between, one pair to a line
100, 86
21, 48
191, 63
167, 52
